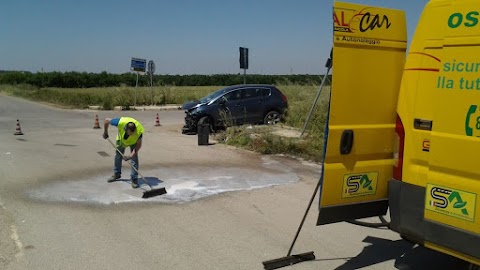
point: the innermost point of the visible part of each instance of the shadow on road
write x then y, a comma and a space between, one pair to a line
152, 181
407, 256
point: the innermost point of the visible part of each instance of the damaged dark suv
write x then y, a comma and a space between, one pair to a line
236, 105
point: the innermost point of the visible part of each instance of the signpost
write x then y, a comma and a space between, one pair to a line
138, 65
244, 62
151, 71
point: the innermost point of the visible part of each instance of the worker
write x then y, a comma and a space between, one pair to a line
130, 133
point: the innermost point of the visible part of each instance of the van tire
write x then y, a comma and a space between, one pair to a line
473, 267
271, 118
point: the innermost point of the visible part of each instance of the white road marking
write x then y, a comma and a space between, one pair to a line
17, 241
14, 236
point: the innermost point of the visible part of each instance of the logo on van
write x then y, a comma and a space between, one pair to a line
426, 146
472, 122
348, 21
359, 184
370, 22
451, 202
468, 20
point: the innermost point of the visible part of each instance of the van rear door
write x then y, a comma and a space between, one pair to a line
368, 60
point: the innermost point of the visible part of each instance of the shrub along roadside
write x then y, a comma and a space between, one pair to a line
266, 142
104, 79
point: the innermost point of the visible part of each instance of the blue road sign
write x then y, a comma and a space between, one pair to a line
138, 64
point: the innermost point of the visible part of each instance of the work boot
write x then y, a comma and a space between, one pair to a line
134, 183
113, 178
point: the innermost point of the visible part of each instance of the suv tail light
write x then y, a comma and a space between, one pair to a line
284, 98
398, 151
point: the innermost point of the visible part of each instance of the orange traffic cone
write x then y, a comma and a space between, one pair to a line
97, 125
157, 122
19, 129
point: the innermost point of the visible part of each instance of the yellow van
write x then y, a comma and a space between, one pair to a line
403, 131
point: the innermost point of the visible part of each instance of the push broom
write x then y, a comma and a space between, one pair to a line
149, 193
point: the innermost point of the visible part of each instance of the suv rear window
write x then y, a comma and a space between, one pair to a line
256, 92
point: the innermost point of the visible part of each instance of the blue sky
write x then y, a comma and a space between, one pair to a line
181, 36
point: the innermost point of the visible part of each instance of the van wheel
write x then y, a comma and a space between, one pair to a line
473, 267
206, 120
271, 118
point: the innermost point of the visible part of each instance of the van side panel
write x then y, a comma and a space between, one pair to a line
441, 91
455, 145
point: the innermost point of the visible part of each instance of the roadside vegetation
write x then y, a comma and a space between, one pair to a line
262, 139
104, 79
108, 97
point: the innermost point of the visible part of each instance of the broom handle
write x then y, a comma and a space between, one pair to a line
304, 216
143, 178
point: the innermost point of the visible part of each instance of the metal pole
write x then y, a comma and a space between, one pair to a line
151, 86
136, 85
324, 80
244, 76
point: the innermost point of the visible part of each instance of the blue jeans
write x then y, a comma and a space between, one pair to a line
117, 169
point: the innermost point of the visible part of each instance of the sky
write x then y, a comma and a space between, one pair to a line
180, 36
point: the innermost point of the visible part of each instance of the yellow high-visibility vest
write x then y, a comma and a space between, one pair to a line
132, 139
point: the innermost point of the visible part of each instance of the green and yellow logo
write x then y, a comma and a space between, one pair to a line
355, 185
472, 121
469, 19
451, 202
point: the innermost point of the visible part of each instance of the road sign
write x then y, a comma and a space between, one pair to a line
151, 67
243, 58
138, 64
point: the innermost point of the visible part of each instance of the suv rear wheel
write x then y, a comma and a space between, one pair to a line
271, 118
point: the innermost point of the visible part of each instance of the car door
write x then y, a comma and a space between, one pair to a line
368, 61
232, 109
254, 103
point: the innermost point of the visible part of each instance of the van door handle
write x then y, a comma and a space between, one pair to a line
346, 142
422, 124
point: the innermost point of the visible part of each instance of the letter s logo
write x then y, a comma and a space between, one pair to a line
353, 184
441, 200
472, 19
469, 20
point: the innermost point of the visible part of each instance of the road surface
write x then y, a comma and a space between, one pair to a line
226, 208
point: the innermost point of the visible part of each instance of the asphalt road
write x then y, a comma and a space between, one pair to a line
226, 208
